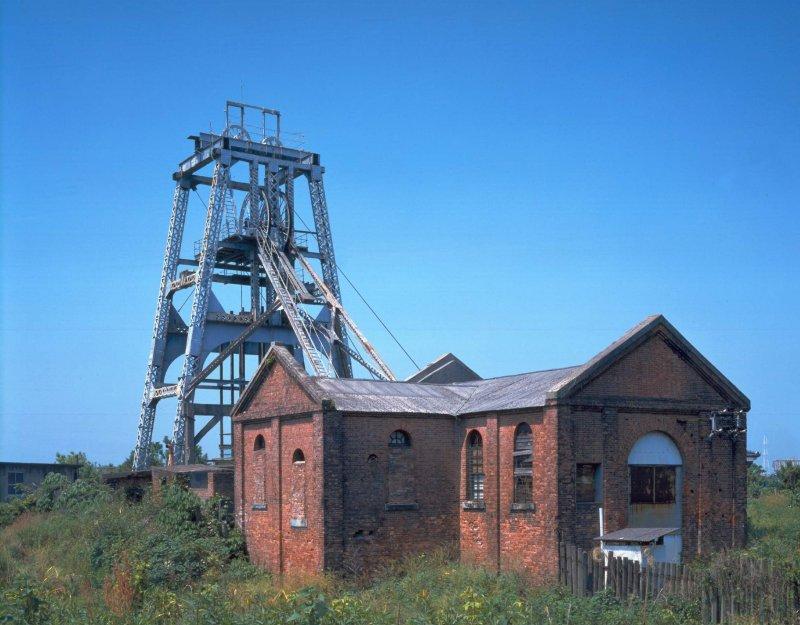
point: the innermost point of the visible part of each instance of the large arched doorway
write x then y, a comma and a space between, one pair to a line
655, 469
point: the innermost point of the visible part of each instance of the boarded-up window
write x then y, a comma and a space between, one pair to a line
400, 475
475, 474
587, 483
259, 473
652, 484
297, 494
523, 464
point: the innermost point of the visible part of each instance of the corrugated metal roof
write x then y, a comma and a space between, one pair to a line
638, 534
398, 397
526, 390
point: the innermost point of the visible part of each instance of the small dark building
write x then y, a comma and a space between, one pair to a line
205, 480
17, 477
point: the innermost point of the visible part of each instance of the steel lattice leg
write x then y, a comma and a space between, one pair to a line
180, 202
273, 210
194, 339
255, 195
330, 275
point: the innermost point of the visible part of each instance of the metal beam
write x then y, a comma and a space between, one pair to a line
207, 428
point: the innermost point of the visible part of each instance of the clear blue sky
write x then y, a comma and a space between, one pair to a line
517, 183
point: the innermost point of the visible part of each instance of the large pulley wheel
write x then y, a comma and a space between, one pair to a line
280, 223
249, 218
235, 131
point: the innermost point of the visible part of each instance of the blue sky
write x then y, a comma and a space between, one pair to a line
517, 183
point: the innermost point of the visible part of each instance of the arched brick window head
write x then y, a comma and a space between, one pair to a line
475, 475
523, 464
298, 456
258, 445
398, 438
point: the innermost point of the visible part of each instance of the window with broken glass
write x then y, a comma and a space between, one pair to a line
475, 475
398, 438
652, 484
523, 464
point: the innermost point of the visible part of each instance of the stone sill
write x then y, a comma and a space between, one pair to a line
298, 524
259, 506
473, 505
397, 507
523, 507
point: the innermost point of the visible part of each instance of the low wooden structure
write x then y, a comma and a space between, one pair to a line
746, 587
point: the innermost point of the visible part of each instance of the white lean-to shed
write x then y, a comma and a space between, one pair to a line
640, 543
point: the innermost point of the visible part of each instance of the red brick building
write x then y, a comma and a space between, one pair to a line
345, 474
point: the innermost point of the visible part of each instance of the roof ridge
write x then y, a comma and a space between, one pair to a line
515, 375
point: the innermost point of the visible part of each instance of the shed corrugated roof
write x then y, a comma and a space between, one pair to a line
638, 534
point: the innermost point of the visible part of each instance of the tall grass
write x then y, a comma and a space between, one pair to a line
91, 557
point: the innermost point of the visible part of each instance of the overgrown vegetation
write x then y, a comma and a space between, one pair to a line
79, 553
773, 515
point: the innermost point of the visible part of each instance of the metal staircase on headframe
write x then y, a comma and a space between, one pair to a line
255, 246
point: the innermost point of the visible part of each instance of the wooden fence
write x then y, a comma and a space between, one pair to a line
742, 587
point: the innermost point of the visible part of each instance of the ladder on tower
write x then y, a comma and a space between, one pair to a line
269, 256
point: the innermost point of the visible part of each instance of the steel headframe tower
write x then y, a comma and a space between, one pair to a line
249, 239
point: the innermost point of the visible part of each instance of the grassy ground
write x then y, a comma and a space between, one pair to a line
82, 555
79, 554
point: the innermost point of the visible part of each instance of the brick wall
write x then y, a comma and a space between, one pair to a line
654, 388
394, 500
356, 502
279, 502
496, 535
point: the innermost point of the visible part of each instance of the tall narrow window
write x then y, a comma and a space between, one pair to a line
400, 473
588, 483
475, 475
523, 464
15, 482
297, 490
259, 474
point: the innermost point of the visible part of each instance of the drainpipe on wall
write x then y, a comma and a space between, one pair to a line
280, 495
498, 468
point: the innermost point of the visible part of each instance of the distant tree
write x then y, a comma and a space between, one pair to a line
759, 482
72, 457
158, 456
789, 477
756, 480
200, 456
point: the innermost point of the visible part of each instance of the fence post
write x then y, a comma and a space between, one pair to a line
574, 568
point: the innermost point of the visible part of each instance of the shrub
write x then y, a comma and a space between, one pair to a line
49, 490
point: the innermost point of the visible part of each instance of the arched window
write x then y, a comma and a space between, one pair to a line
475, 475
654, 463
398, 438
298, 456
523, 464
259, 473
